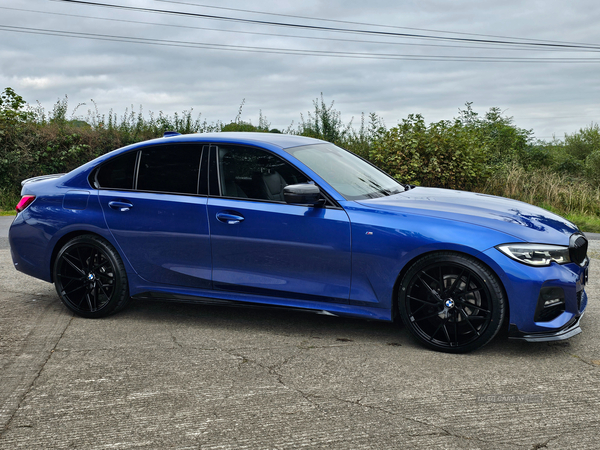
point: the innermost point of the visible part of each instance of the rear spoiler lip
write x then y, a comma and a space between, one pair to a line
41, 177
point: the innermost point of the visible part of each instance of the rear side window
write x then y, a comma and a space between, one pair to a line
170, 168
118, 173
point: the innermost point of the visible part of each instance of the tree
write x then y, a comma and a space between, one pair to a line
583, 143
12, 107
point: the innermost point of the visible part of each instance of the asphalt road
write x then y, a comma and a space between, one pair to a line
162, 375
5, 222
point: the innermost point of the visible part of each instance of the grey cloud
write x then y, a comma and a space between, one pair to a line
549, 98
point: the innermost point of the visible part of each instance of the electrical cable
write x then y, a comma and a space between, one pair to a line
361, 23
354, 41
288, 51
327, 29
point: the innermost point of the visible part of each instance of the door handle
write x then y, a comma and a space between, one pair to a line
229, 218
120, 206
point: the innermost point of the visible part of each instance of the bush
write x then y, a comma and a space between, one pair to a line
503, 142
537, 156
570, 165
581, 144
592, 167
443, 154
325, 124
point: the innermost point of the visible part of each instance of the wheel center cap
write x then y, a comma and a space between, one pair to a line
449, 303
91, 277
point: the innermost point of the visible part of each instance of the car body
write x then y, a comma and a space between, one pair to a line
261, 218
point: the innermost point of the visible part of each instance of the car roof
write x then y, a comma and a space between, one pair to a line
273, 140
276, 139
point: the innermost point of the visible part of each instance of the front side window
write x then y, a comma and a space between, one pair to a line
247, 172
352, 177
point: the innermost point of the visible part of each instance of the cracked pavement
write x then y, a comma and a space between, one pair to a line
167, 375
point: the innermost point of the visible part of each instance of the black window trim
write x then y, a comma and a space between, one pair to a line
136, 169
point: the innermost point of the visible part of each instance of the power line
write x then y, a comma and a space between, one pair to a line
287, 51
362, 23
332, 29
359, 41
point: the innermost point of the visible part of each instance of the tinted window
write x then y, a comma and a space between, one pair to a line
170, 168
246, 172
117, 173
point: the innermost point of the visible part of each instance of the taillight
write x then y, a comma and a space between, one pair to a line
25, 202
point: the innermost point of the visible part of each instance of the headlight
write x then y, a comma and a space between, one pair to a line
536, 254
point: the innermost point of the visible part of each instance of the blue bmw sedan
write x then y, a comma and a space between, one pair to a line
290, 221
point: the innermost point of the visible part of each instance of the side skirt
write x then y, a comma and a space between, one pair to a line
336, 310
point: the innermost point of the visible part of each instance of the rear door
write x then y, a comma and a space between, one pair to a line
154, 201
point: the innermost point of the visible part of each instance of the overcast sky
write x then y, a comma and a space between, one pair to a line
549, 88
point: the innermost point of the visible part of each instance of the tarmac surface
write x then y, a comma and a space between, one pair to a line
164, 375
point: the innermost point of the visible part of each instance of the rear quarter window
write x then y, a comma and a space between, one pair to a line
117, 173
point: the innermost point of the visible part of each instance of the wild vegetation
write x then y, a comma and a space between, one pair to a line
486, 153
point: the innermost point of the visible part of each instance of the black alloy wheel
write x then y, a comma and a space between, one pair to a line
90, 277
451, 302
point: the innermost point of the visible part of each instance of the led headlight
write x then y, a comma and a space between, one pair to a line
536, 254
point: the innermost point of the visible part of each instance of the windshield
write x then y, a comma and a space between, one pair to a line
352, 177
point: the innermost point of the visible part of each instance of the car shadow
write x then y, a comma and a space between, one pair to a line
276, 320
302, 324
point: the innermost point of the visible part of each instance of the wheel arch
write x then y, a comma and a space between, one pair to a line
416, 258
61, 243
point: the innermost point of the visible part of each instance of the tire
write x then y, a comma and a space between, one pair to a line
90, 277
451, 302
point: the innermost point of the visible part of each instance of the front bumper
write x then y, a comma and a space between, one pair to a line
524, 284
570, 329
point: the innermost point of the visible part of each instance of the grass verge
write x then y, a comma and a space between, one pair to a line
591, 224
573, 199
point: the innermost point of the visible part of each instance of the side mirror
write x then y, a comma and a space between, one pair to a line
303, 194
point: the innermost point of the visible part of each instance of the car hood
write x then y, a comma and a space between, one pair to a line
520, 220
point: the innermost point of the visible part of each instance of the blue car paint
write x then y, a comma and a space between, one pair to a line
521, 220
37, 230
398, 239
165, 237
384, 235
462, 222
523, 283
293, 249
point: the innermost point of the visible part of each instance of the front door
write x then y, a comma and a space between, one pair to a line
262, 245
